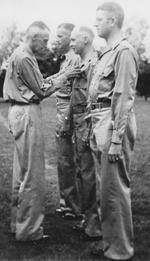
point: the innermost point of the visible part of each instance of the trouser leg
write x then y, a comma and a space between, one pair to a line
65, 161
87, 188
116, 212
28, 171
116, 215
15, 190
66, 173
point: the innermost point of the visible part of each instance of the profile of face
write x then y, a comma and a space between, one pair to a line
103, 24
40, 41
77, 42
62, 39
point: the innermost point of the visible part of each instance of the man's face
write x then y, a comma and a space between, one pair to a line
103, 24
62, 39
40, 41
77, 42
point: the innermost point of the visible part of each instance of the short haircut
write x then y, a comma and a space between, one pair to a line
88, 31
67, 26
39, 24
115, 9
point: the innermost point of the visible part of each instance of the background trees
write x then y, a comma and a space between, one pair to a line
136, 30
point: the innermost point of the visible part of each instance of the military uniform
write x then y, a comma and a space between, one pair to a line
111, 98
83, 155
65, 165
23, 88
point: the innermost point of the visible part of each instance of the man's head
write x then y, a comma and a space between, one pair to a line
37, 36
63, 36
109, 17
81, 37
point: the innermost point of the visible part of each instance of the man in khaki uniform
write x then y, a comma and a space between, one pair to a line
81, 43
111, 98
69, 203
23, 87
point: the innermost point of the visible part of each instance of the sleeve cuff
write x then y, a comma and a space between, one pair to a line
116, 137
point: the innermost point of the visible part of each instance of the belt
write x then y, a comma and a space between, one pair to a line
79, 109
13, 102
99, 105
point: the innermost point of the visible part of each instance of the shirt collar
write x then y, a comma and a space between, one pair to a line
113, 47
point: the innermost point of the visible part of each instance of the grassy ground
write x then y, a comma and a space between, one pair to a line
64, 244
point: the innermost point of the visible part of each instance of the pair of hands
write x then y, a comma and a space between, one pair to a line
115, 152
73, 72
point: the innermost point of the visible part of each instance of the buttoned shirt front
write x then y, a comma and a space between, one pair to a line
71, 60
115, 79
80, 84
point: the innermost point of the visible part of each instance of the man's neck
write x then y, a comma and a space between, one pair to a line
86, 54
114, 38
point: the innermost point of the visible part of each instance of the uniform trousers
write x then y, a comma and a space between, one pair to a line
116, 214
86, 175
28, 190
65, 161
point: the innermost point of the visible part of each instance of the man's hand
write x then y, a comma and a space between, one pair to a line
72, 72
115, 152
48, 88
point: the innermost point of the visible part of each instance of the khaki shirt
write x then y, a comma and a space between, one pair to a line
80, 85
71, 60
115, 78
23, 81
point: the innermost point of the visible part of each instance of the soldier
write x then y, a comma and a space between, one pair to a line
111, 97
23, 87
69, 205
81, 43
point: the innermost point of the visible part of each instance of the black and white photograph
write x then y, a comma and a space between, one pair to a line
75, 130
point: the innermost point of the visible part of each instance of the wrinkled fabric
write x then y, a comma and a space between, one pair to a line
65, 159
28, 190
114, 79
24, 82
23, 88
86, 177
83, 155
71, 60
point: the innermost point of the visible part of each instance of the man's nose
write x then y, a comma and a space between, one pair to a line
71, 44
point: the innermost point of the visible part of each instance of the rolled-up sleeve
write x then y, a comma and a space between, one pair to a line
126, 72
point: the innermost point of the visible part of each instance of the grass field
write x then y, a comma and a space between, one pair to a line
65, 244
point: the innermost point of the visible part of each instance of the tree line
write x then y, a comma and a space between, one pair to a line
136, 31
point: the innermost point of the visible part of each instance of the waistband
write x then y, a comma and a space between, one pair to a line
100, 105
13, 102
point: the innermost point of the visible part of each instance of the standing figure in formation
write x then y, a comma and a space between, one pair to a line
69, 203
81, 43
111, 98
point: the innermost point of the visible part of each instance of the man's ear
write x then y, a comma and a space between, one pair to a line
112, 20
